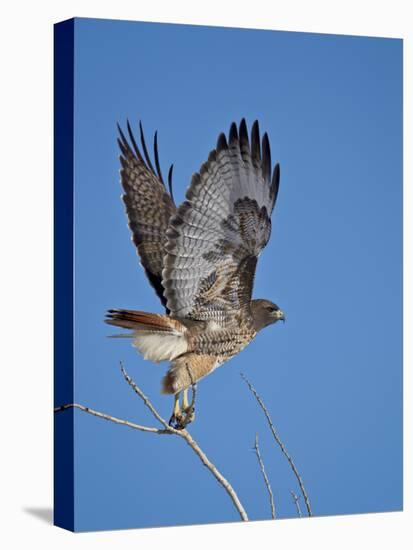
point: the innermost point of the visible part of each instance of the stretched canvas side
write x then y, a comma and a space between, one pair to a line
63, 273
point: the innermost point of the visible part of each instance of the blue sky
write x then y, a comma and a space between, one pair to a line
332, 375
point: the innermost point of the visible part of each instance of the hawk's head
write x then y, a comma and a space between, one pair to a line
265, 313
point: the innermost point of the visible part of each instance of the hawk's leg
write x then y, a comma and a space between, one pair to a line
185, 402
188, 408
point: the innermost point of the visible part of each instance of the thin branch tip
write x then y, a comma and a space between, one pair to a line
279, 442
297, 504
265, 476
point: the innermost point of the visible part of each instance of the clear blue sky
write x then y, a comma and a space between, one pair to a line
332, 375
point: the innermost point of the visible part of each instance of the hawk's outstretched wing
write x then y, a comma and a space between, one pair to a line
149, 206
217, 234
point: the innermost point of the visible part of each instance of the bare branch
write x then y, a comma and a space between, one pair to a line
280, 443
297, 504
184, 434
264, 475
110, 418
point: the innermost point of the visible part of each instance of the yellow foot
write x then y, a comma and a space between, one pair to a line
189, 413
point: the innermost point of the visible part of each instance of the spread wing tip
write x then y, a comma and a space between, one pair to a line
255, 143
144, 148
130, 148
222, 142
233, 134
266, 158
243, 133
157, 164
275, 184
170, 174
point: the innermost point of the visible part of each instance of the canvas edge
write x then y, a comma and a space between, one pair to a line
63, 174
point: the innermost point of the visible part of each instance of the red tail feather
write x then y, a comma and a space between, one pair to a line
141, 320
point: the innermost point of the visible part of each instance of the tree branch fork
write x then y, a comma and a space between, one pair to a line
165, 429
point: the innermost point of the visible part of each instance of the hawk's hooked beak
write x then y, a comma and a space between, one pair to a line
279, 315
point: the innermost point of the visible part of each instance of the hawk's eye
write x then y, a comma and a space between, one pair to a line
271, 308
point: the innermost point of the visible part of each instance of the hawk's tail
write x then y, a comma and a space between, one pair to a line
157, 337
140, 320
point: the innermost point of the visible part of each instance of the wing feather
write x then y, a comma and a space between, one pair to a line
217, 234
149, 206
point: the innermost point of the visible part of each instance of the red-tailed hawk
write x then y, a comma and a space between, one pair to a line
201, 257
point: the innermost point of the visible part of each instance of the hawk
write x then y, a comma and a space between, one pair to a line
199, 257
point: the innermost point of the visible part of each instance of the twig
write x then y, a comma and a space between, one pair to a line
280, 443
264, 475
184, 434
297, 504
146, 400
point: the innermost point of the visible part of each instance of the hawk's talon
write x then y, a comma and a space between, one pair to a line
176, 421
189, 414
179, 421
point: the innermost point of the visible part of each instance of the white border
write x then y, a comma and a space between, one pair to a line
26, 268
